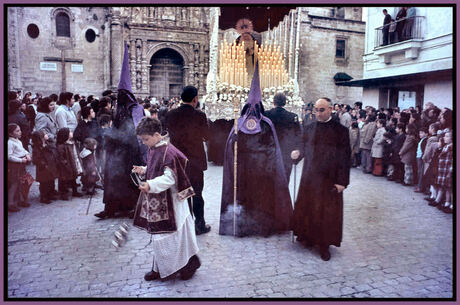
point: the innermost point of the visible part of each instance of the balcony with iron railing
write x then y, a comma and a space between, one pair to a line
401, 36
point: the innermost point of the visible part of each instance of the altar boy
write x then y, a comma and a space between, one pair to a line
162, 208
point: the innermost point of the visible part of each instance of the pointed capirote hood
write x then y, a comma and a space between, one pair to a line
127, 103
125, 76
252, 112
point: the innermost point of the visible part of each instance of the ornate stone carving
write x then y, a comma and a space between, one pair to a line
168, 14
136, 15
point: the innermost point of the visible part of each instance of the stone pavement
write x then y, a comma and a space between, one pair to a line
394, 245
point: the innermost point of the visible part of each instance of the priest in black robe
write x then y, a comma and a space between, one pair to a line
318, 210
263, 204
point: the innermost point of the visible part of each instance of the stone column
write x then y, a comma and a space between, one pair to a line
116, 45
191, 75
144, 68
132, 62
185, 71
139, 64
14, 62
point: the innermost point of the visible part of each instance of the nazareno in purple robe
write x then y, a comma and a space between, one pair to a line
123, 148
263, 201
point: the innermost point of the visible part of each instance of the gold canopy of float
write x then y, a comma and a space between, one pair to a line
234, 68
233, 57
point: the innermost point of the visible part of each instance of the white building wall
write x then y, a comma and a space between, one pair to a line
435, 52
439, 93
371, 97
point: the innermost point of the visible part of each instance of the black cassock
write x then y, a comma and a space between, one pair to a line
318, 212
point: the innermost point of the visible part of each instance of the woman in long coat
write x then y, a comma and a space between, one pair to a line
44, 121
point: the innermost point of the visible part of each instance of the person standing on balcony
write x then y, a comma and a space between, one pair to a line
400, 23
409, 24
386, 27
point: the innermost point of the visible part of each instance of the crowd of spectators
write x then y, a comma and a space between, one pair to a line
412, 146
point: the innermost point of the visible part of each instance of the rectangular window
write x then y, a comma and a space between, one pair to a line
340, 48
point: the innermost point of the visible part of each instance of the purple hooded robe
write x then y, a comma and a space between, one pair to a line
263, 201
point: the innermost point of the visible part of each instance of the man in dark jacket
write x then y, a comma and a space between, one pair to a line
87, 127
287, 129
400, 18
386, 27
318, 211
188, 128
162, 112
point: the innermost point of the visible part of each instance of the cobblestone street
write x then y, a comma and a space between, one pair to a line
394, 245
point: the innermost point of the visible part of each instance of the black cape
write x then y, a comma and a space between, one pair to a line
264, 204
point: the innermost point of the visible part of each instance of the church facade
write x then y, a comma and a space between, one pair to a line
168, 48
80, 49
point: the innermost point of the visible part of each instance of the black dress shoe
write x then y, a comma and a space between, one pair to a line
448, 210
24, 204
152, 275
13, 209
305, 242
325, 254
52, 196
433, 203
189, 270
45, 200
103, 215
202, 229
428, 199
77, 194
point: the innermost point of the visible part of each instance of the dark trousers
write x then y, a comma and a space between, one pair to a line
420, 164
398, 174
64, 185
46, 189
197, 180
366, 160
385, 32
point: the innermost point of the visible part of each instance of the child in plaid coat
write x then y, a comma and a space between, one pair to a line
445, 169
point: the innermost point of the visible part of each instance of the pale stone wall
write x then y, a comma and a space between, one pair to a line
33, 51
183, 29
145, 29
318, 63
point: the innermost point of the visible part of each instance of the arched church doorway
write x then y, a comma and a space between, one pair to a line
166, 73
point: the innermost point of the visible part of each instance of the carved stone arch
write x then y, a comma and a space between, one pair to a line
168, 45
62, 42
58, 10
168, 69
